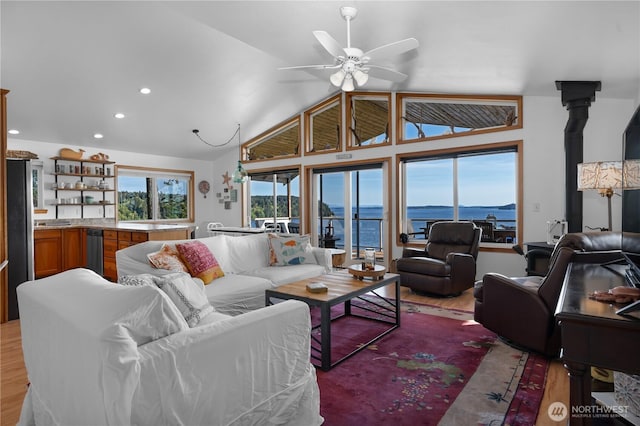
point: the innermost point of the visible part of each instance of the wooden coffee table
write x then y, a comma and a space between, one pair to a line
342, 288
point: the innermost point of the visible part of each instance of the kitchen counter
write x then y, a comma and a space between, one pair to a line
61, 244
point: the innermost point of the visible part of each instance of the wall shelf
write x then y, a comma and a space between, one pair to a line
78, 169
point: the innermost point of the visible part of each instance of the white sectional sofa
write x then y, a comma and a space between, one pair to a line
245, 262
99, 353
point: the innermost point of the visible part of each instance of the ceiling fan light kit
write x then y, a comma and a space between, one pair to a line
352, 64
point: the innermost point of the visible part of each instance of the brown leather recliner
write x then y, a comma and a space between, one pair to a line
447, 265
522, 310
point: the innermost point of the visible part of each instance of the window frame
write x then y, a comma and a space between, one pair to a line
247, 219
401, 98
516, 145
155, 173
334, 101
269, 134
355, 96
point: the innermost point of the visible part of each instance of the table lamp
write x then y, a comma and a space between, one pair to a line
605, 176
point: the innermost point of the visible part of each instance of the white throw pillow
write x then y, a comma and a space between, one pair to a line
187, 295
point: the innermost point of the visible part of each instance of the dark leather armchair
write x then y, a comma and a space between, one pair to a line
447, 265
522, 310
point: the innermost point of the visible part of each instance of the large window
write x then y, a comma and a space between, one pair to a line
154, 194
477, 184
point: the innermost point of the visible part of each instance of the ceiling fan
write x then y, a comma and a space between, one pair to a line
354, 65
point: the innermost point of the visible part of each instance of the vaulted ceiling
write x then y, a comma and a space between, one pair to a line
210, 65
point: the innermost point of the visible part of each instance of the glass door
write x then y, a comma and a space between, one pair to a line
351, 210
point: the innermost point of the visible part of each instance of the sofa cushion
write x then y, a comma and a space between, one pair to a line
294, 250
188, 296
424, 265
236, 294
289, 274
200, 261
167, 258
247, 253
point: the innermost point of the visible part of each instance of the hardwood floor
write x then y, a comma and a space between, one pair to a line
14, 377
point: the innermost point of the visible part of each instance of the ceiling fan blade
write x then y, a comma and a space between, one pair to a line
391, 49
385, 73
315, 67
330, 44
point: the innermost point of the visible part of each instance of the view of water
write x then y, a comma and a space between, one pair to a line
370, 229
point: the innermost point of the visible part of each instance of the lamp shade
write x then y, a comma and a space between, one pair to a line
600, 175
337, 78
631, 174
347, 86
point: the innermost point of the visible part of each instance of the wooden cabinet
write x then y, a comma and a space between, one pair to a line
74, 248
109, 248
56, 250
47, 252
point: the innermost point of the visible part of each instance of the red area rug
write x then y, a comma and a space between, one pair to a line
439, 367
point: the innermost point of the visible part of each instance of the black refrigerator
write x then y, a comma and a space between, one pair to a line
19, 229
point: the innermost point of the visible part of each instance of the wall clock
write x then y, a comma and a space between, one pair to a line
204, 187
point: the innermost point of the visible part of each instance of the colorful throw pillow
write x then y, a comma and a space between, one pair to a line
187, 295
200, 262
292, 250
167, 258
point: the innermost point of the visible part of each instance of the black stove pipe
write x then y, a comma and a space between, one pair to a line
577, 97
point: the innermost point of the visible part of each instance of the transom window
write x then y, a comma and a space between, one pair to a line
425, 117
280, 142
476, 184
154, 194
368, 117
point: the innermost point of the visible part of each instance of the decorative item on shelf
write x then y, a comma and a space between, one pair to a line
99, 157
26, 155
69, 154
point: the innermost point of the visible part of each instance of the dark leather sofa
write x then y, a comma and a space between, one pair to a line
447, 265
522, 310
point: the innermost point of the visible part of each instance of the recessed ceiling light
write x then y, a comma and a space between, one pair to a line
118, 115
145, 90
14, 132
98, 136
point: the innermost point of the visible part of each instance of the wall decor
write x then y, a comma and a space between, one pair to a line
204, 187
